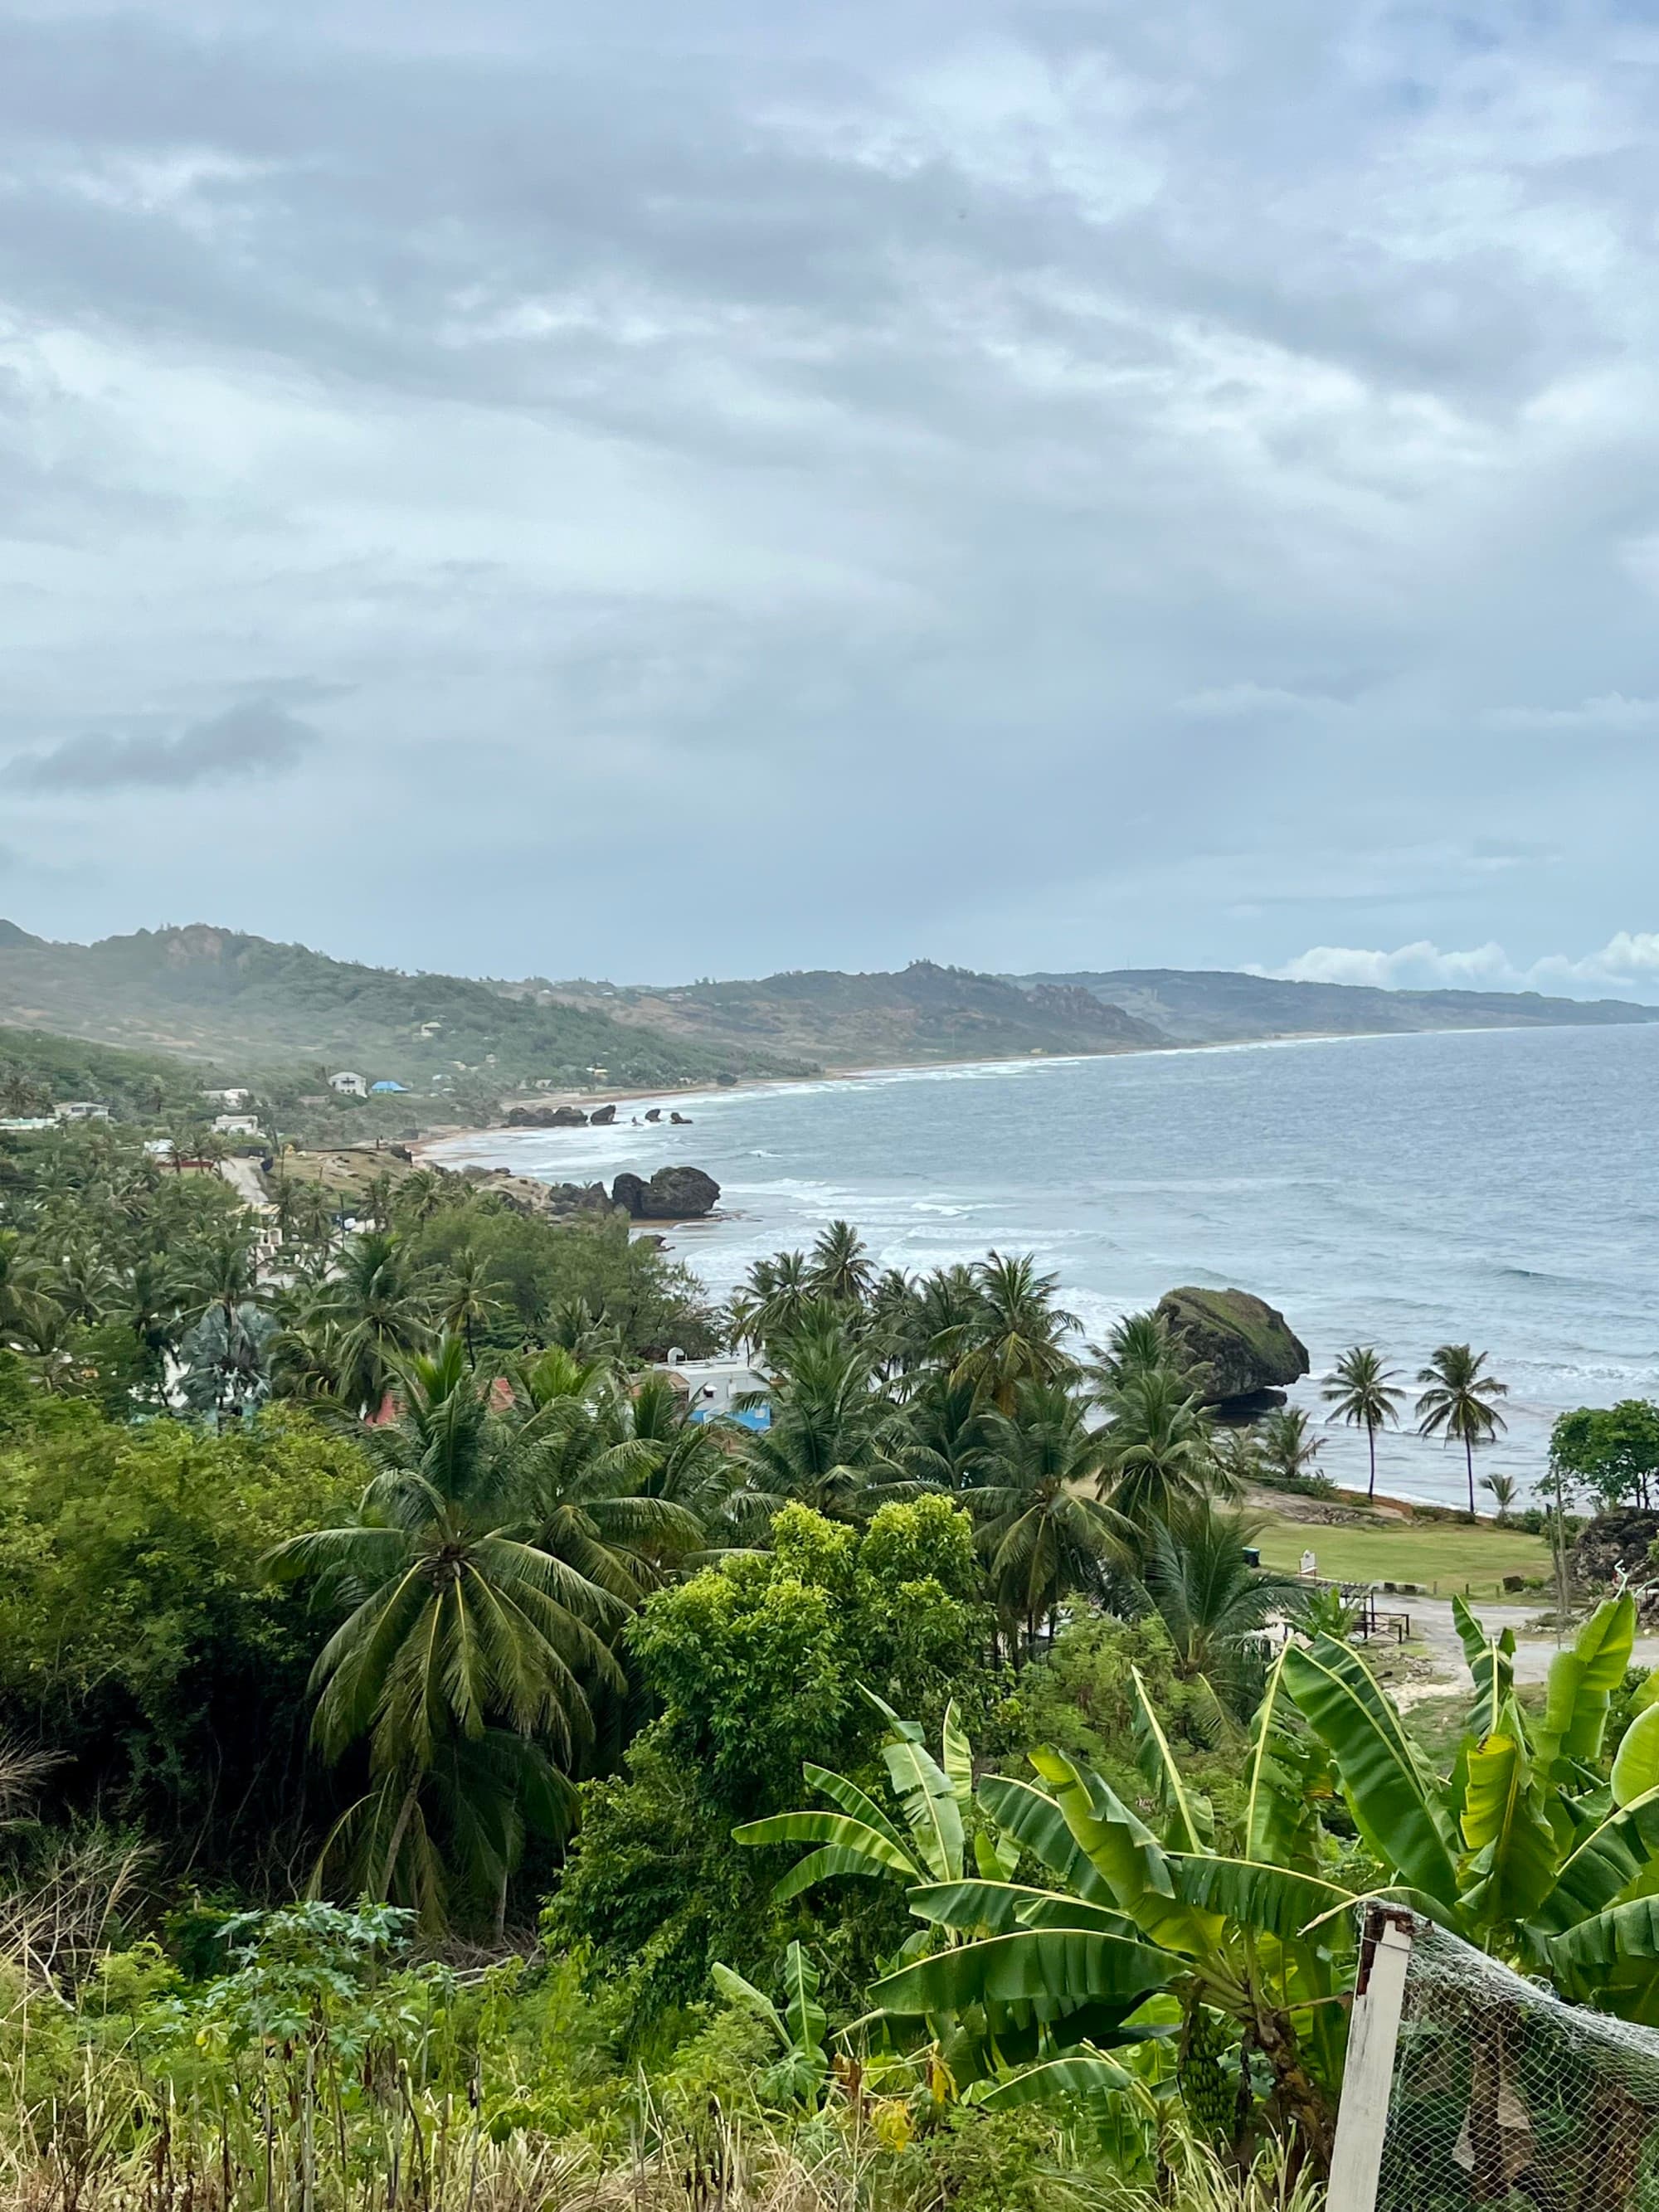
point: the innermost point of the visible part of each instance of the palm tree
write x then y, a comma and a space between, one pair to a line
840, 1267
467, 1302
832, 1435
1505, 1490
946, 1440
1358, 1391
418, 1196
1199, 1579
1456, 1402
1013, 1333
146, 1299
463, 1635
24, 1292
1044, 1539
377, 1314
1138, 1345
772, 1300
1287, 1453
1159, 1449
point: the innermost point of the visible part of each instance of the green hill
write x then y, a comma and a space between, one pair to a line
1218, 1007
37, 1070
248, 1005
922, 1013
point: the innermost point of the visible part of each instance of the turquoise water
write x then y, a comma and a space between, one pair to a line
1497, 1185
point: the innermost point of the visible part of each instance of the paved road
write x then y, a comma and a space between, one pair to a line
1432, 1625
243, 1176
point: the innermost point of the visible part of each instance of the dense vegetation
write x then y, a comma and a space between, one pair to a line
222, 995
438, 1767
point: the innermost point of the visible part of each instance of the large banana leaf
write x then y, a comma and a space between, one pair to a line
1636, 1766
1125, 1852
1581, 1685
876, 1855
851, 1799
737, 1992
958, 1759
1032, 1818
1394, 1802
931, 1809
1507, 1828
1190, 1828
995, 1905
1277, 1814
1626, 1932
1602, 1866
1270, 1898
805, 2017
1085, 2074
1492, 1662
1063, 1965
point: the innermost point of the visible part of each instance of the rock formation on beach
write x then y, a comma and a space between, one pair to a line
1231, 1344
678, 1193
547, 1117
602, 1118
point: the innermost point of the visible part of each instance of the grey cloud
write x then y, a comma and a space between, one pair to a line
251, 741
848, 435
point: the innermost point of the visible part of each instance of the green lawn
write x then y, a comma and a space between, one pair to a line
1442, 1556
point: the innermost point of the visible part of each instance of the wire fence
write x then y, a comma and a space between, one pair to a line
1504, 2095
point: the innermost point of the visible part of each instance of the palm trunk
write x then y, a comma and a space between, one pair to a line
405, 1812
1371, 1439
1468, 1454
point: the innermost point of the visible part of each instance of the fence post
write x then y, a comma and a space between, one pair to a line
1362, 2119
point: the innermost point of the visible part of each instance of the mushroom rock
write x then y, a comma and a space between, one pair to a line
1230, 1344
676, 1193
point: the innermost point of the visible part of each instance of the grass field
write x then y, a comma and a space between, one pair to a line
1444, 1557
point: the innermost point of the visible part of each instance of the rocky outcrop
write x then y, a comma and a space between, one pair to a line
672, 1195
654, 1113
547, 1117
1231, 1344
602, 1118
1615, 1543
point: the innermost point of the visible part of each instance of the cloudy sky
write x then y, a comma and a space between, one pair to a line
651, 490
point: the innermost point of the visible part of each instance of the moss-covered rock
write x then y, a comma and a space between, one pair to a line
1231, 1344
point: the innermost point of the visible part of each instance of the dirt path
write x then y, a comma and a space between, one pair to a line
243, 1176
1433, 1627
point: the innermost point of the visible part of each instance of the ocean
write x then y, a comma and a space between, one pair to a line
1492, 1186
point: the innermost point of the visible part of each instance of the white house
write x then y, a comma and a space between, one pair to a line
712, 1386
81, 1109
347, 1085
237, 1125
232, 1099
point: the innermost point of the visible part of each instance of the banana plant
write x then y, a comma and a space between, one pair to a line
854, 1836
1531, 1849
1127, 1911
797, 2076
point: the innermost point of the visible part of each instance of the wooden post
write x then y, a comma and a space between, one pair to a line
1362, 2120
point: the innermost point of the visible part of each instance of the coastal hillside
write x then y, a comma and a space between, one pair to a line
922, 1013
243, 1002
1216, 1006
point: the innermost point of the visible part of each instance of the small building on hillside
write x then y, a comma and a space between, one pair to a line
234, 1097
81, 1109
386, 1085
347, 1085
714, 1386
237, 1125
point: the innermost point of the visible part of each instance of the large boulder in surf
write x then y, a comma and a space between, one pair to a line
676, 1193
602, 1118
1230, 1344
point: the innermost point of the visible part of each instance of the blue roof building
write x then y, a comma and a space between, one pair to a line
388, 1086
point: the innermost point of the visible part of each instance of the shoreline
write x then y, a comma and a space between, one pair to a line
752, 1083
